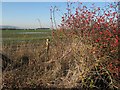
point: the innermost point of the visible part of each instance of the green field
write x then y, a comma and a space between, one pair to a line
13, 36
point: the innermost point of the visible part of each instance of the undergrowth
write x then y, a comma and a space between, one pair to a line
83, 53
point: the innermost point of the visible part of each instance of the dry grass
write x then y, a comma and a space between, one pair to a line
65, 65
81, 54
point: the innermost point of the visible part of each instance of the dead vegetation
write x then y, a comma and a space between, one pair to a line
65, 65
79, 55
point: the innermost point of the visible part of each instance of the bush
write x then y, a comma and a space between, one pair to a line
97, 28
83, 53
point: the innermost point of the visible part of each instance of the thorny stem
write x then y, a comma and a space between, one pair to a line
54, 17
51, 17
